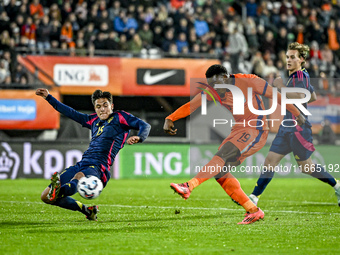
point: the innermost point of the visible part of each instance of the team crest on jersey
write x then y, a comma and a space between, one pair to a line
100, 130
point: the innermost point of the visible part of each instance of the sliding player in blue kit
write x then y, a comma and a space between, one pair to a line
109, 130
290, 138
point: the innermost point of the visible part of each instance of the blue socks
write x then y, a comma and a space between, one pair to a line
69, 189
265, 178
321, 174
71, 204
262, 182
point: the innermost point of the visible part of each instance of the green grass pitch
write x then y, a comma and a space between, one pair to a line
146, 217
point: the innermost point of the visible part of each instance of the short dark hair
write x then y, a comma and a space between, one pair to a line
215, 70
101, 94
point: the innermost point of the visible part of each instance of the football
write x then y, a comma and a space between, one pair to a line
90, 187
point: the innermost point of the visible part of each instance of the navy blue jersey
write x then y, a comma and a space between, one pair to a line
299, 79
108, 136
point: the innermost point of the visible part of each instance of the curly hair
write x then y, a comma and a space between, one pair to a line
301, 48
101, 94
215, 70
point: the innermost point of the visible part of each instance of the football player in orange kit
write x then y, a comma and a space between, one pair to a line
243, 141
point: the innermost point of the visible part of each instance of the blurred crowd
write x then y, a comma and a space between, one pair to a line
248, 36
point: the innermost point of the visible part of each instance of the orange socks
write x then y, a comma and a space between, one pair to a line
228, 182
193, 183
233, 188
213, 167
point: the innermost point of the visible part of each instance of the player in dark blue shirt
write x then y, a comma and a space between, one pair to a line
290, 138
109, 131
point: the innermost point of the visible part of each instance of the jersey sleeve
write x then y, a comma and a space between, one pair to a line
84, 119
306, 81
262, 87
186, 109
129, 121
258, 84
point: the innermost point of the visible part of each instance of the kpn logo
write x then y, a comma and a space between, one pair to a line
239, 100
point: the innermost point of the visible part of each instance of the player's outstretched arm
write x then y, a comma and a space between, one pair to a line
261, 87
64, 109
300, 119
131, 122
313, 97
182, 112
278, 83
290, 107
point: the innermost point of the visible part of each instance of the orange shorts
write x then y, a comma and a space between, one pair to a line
247, 140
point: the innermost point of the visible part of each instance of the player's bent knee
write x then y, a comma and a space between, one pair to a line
78, 176
307, 168
269, 165
228, 152
43, 196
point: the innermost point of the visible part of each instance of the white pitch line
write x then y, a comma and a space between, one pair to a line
272, 201
188, 208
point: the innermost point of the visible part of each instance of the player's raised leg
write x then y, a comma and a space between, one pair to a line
303, 148
227, 153
54, 187
207, 172
74, 205
64, 185
70, 188
71, 204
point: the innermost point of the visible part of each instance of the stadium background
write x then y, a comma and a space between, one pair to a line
75, 47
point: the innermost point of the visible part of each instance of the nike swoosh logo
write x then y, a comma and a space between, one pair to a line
152, 79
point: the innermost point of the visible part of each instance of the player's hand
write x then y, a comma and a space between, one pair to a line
169, 127
300, 119
278, 83
42, 92
133, 139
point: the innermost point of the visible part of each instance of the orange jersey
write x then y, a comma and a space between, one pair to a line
250, 120
260, 87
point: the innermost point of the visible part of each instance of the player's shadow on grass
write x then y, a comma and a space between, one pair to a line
82, 229
22, 224
316, 205
177, 217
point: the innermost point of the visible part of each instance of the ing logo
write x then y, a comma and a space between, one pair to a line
94, 76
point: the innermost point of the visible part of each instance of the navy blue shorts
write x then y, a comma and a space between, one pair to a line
87, 170
299, 142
